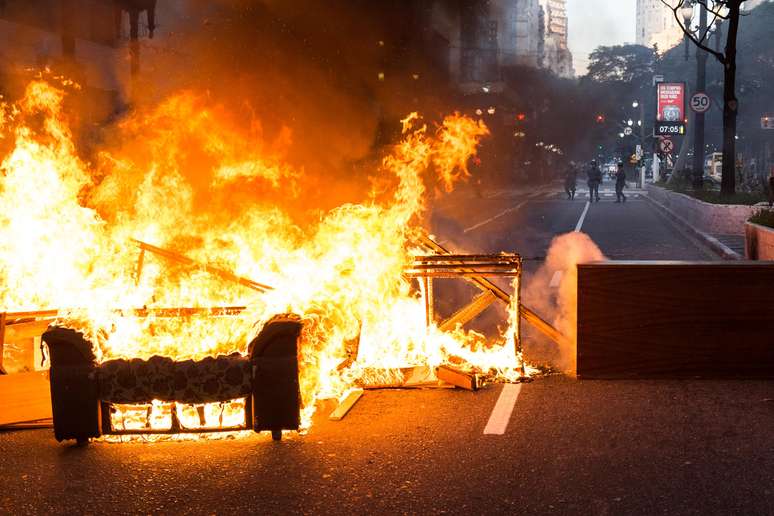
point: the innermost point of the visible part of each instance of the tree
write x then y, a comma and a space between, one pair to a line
729, 10
622, 64
618, 76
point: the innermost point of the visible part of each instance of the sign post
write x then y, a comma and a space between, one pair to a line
670, 114
666, 145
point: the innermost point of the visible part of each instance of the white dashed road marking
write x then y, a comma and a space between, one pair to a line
501, 414
503, 213
492, 219
579, 225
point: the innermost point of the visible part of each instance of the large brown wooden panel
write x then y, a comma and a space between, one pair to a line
24, 397
675, 319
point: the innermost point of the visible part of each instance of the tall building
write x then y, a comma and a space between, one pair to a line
557, 55
656, 25
518, 31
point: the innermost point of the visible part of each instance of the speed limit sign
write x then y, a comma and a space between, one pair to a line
700, 102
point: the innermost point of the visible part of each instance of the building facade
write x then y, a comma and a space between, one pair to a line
656, 25
519, 34
485, 36
556, 54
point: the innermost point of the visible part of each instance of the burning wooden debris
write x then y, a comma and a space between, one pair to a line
459, 378
351, 273
124, 390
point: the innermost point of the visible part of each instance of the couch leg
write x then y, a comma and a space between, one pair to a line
276, 435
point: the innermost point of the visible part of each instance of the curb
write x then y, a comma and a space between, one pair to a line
715, 245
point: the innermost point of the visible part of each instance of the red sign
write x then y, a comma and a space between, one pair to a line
671, 102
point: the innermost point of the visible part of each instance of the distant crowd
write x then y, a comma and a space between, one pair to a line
593, 180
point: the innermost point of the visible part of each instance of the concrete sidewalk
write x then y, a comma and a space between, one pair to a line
727, 246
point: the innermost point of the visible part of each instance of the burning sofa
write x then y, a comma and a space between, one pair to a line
160, 395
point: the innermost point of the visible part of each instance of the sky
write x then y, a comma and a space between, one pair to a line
598, 22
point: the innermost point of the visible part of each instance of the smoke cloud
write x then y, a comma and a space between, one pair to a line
552, 292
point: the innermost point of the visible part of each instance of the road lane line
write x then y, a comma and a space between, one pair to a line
503, 409
492, 219
579, 225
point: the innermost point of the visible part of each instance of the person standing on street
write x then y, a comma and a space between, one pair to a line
594, 179
620, 183
570, 178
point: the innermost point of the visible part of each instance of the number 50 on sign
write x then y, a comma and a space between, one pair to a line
700, 102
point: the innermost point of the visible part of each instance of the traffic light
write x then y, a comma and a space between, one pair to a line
600, 118
521, 117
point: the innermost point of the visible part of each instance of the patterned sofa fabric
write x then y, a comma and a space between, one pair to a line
140, 381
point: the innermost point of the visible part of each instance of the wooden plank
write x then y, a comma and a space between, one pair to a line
469, 311
469, 381
179, 258
675, 319
429, 301
2, 341
346, 405
25, 397
419, 376
15, 332
30, 425
19, 356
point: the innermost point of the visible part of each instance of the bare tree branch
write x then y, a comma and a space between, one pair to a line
718, 55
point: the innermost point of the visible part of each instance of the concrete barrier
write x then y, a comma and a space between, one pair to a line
714, 219
758, 242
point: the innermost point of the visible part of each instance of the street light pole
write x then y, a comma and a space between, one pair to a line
641, 123
701, 85
642, 144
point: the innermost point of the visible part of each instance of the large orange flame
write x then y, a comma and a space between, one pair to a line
67, 228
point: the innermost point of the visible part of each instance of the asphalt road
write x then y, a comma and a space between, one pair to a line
526, 221
569, 447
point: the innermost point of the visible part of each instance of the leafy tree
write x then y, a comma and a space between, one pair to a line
621, 63
617, 76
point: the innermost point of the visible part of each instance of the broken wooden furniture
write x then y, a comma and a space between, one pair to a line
475, 268
675, 319
84, 393
485, 285
182, 259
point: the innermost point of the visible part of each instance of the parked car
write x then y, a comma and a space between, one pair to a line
713, 165
711, 182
